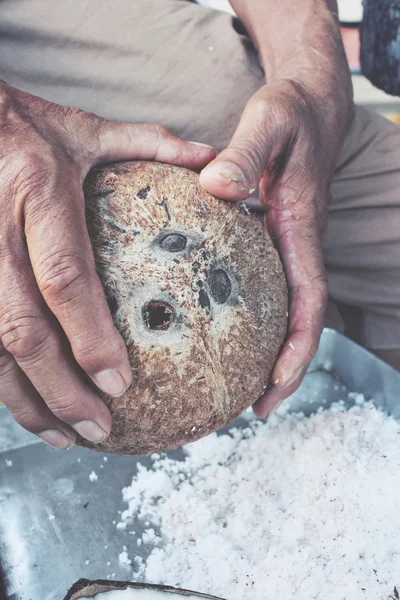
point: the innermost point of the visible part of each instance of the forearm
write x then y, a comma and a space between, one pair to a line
294, 36
300, 41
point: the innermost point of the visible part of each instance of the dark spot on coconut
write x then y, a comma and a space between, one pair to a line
157, 315
204, 300
106, 244
178, 262
104, 193
196, 266
173, 242
220, 285
200, 284
115, 227
205, 255
112, 304
143, 193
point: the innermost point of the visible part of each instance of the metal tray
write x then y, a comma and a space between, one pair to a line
57, 526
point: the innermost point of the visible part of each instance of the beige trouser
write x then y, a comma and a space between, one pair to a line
192, 69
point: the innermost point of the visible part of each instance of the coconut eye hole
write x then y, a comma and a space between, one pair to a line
157, 315
220, 285
174, 242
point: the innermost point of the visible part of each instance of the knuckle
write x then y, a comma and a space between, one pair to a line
67, 408
62, 278
161, 131
91, 352
30, 173
90, 126
258, 105
69, 120
283, 113
159, 134
35, 180
35, 174
87, 352
25, 337
27, 417
272, 112
250, 156
7, 364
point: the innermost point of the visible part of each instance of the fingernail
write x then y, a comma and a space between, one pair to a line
91, 431
56, 439
201, 145
286, 382
230, 172
111, 382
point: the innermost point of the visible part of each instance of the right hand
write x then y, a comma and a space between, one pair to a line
55, 325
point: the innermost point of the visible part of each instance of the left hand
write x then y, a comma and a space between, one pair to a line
287, 142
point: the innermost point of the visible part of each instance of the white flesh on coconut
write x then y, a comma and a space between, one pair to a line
136, 594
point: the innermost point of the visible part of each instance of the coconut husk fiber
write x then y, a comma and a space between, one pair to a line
198, 292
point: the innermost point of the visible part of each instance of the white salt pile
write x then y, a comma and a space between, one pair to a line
292, 508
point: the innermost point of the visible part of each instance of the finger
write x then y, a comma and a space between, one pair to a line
264, 131
28, 408
62, 260
127, 141
298, 239
30, 334
306, 322
300, 249
296, 355
269, 402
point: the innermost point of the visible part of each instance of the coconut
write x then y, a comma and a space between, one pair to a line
198, 292
123, 590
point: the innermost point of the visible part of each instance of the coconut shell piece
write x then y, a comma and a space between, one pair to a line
199, 294
87, 589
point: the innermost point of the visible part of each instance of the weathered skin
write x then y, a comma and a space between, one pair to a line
158, 236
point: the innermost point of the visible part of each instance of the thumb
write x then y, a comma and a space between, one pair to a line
128, 141
262, 135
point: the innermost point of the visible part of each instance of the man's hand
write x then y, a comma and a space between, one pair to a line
288, 139
55, 326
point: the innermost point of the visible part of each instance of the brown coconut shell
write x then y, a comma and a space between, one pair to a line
197, 291
87, 589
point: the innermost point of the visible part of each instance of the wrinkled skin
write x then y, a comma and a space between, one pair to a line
287, 143
279, 131
55, 326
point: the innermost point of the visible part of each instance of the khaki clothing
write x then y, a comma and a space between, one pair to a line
193, 69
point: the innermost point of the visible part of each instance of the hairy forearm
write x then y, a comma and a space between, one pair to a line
293, 35
300, 41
